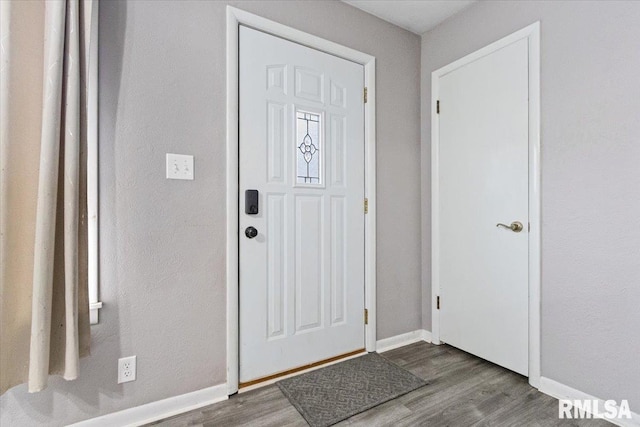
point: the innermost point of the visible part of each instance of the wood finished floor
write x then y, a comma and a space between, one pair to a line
463, 390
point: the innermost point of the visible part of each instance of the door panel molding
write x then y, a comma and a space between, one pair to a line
532, 34
235, 17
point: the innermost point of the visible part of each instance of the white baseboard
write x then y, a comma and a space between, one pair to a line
160, 409
561, 391
402, 340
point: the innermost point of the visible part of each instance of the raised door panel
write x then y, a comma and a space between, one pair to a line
309, 298
309, 84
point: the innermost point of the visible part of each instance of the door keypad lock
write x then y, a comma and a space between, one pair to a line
251, 202
251, 208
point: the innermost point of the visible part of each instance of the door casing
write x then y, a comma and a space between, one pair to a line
235, 17
532, 34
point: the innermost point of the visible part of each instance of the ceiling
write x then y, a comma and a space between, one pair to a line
417, 16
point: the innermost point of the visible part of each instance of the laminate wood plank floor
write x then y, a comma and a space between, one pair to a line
463, 390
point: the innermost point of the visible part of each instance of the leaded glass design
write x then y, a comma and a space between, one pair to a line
308, 147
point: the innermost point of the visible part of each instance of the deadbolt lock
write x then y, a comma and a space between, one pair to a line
251, 232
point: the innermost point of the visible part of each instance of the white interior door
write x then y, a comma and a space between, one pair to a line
302, 149
483, 181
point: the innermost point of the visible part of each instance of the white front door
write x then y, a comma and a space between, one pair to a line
483, 181
302, 149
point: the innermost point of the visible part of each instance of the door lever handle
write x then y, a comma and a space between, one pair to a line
516, 226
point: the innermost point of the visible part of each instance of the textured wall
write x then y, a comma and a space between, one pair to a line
590, 63
162, 89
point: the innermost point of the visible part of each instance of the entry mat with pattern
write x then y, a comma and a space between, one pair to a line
334, 393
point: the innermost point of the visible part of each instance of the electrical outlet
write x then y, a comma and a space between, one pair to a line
126, 369
179, 166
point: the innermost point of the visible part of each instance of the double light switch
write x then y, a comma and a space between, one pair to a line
179, 166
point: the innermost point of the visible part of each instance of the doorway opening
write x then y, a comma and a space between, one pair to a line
236, 18
475, 229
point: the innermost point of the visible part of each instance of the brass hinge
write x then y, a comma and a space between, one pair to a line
438, 106
438, 302
366, 316
366, 206
365, 95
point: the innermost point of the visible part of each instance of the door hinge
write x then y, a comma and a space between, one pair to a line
438, 106
366, 316
366, 206
438, 302
365, 95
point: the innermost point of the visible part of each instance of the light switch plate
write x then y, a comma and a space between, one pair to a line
179, 166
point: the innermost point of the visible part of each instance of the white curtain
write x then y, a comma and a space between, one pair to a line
43, 233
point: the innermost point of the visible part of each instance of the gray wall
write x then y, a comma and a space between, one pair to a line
162, 89
590, 98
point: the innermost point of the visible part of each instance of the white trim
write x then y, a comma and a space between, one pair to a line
402, 340
562, 391
535, 198
235, 17
532, 33
233, 176
426, 336
92, 169
370, 175
160, 409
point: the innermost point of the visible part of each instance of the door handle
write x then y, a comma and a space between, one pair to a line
250, 232
516, 226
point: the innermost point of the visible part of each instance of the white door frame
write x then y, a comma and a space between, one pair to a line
532, 34
235, 17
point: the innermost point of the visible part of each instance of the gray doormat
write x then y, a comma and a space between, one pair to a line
337, 392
